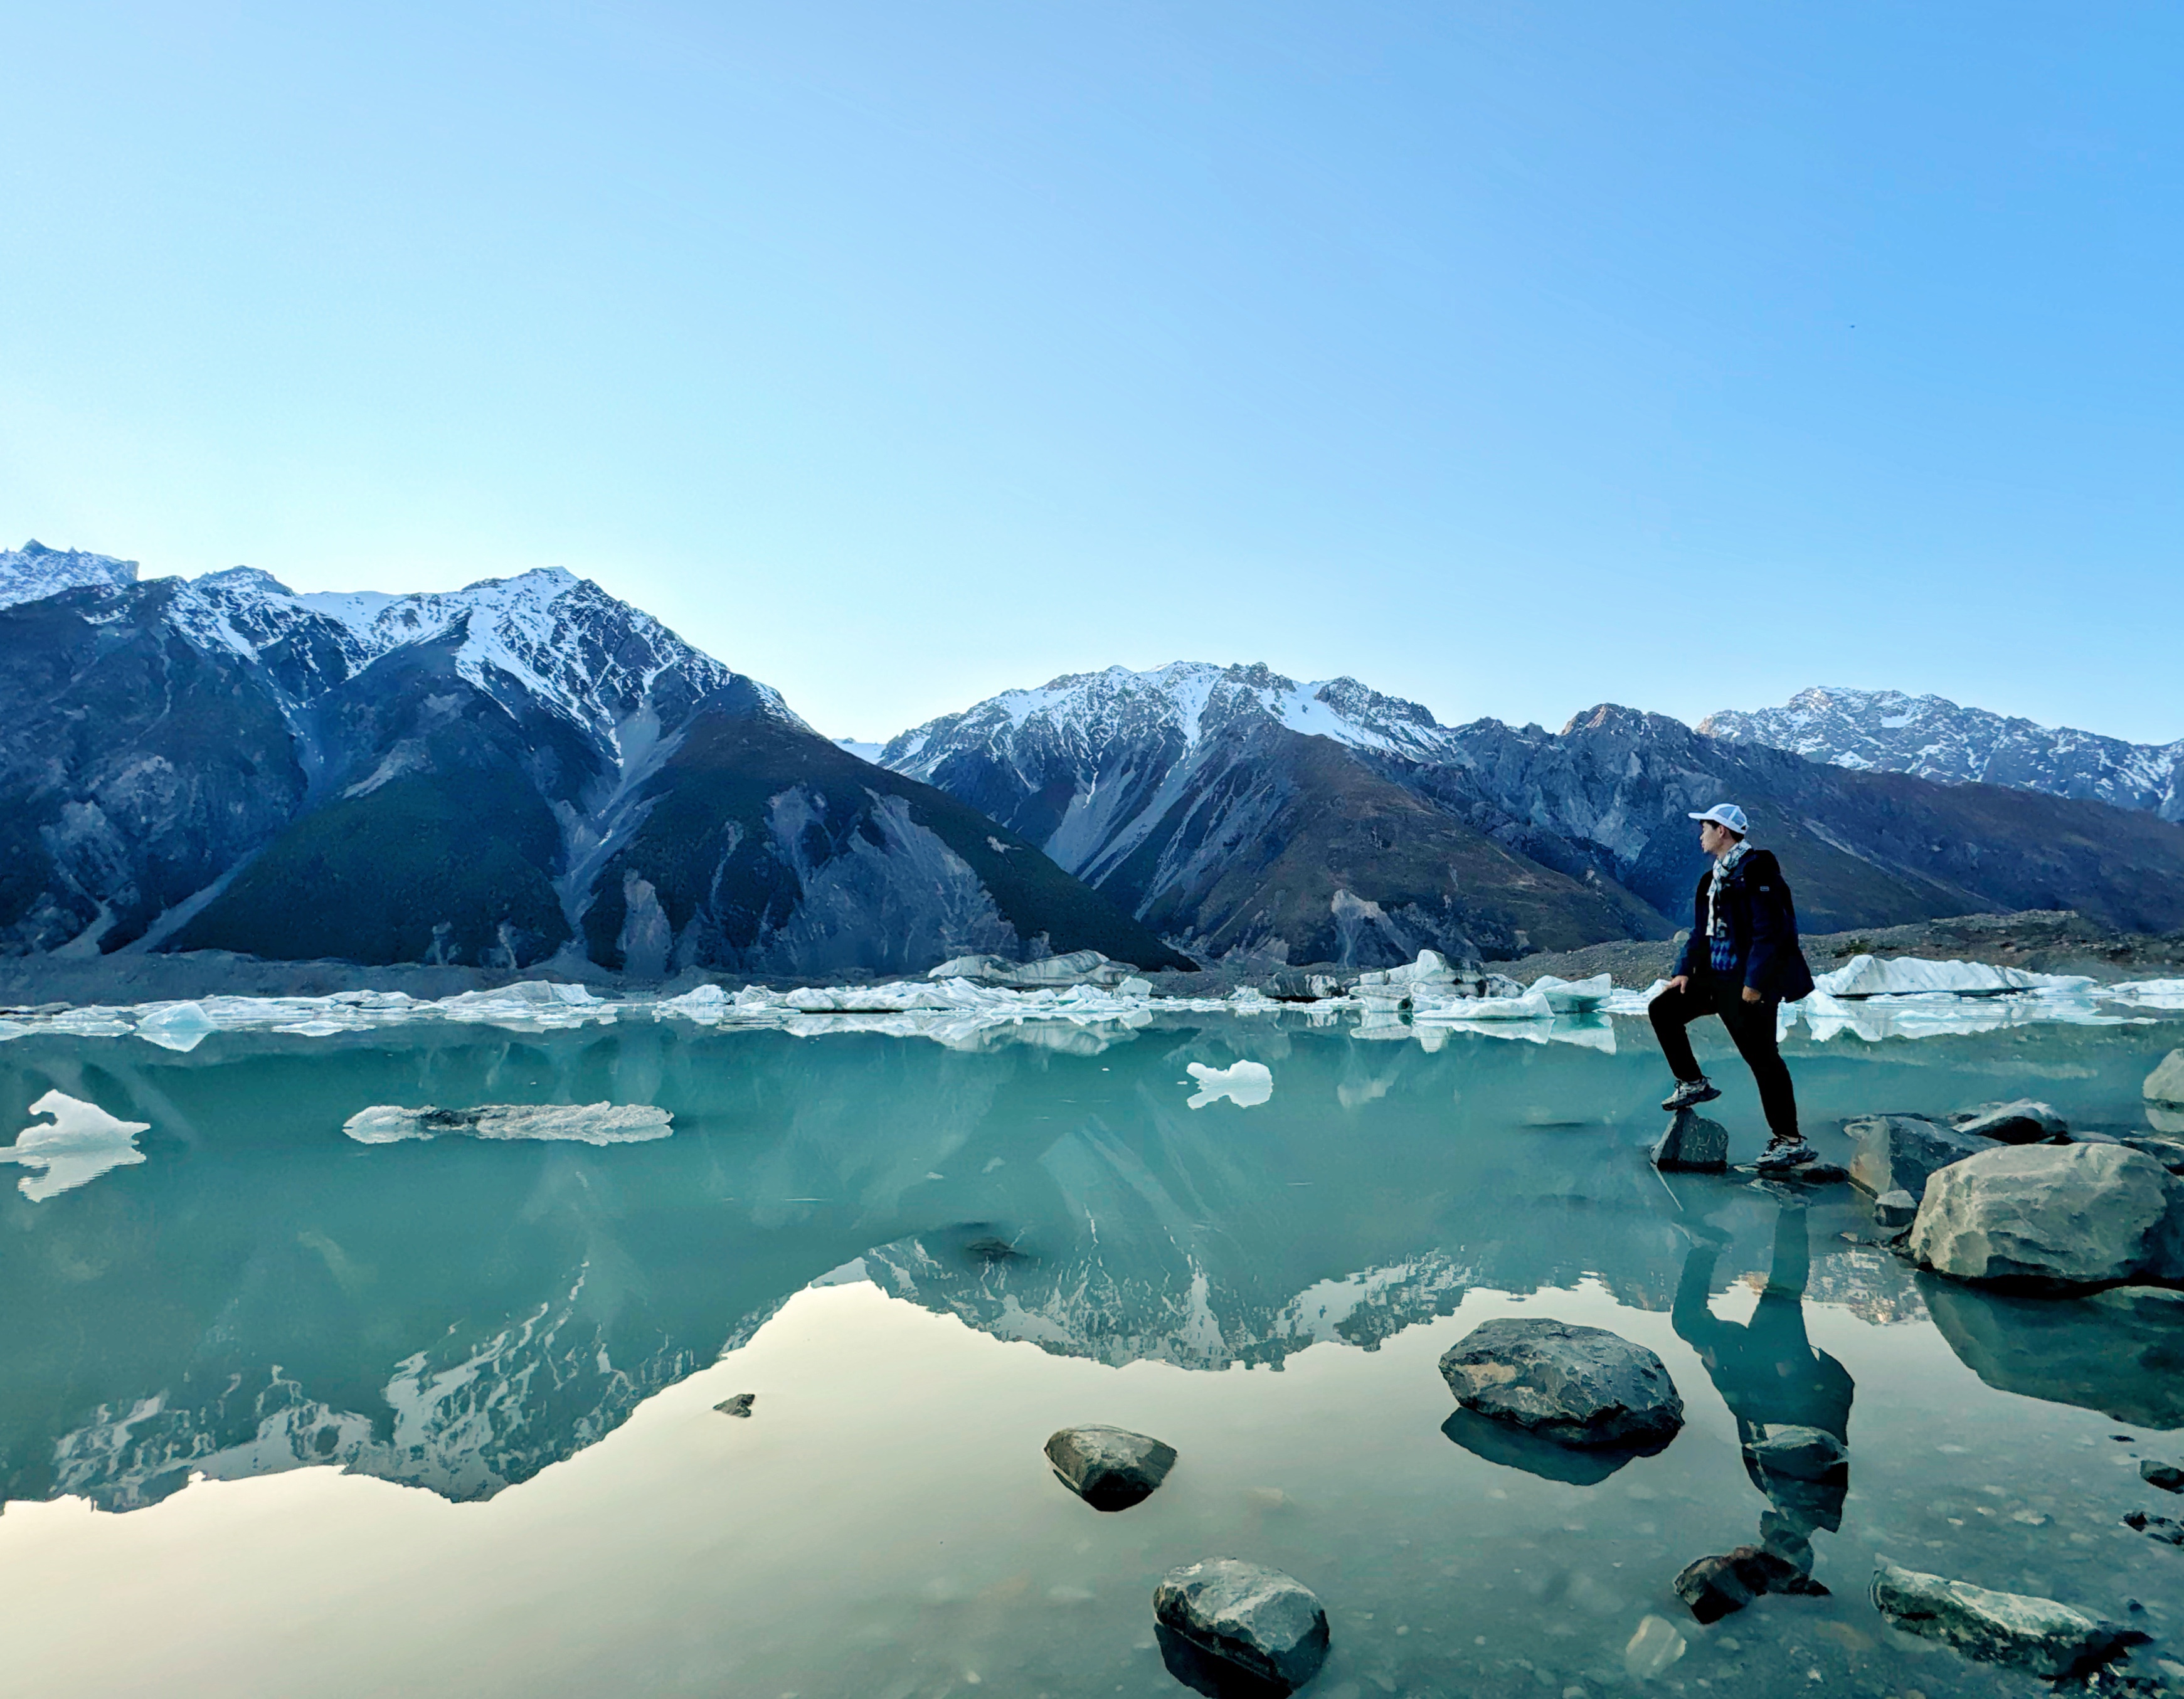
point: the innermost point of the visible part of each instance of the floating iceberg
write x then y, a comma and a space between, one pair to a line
1575, 996
1244, 1084
583, 1123
1897, 975
81, 1143
176, 1026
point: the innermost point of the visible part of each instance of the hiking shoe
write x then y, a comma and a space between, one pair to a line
1689, 1092
1786, 1153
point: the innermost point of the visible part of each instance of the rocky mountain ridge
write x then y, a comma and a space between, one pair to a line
522, 770
1931, 737
1196, 797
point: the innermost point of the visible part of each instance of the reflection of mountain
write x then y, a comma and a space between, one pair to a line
262, 1292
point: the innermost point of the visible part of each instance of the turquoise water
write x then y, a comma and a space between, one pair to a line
280, 1411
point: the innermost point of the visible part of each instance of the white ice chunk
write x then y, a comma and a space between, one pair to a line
1871, 976
2147, 993
584, 1123
81, 1143
1244, 1084
1575, 996
176, 1026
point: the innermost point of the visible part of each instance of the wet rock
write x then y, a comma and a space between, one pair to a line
2050, 1639
1692, 1144
2020, 1122
2166, 1476
1713, 1587
2166, 1084
1896, 1210
2166, 1529
1579, 1385
1110, 1468
2115, 1351
1900, 1152
1264, 1623
1802, 1454
2054, 1215
740, 1405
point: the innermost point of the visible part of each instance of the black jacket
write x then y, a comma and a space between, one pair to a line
1762, 920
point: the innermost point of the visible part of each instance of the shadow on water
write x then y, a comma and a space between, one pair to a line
1497, 1442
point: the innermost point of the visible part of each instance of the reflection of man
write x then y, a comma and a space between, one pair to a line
1774, 1379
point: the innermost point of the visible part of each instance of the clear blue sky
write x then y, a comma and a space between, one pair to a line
1511, 357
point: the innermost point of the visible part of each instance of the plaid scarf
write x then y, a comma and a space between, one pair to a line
1721, 946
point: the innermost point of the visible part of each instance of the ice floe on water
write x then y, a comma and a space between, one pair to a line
583, 1123
1244, 1084
1427, 1000
81, 1143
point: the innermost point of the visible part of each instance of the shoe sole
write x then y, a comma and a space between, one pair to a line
1671, 1106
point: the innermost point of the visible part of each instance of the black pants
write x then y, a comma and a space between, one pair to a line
1751, 1025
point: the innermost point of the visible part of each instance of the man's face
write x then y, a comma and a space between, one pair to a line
1714, 837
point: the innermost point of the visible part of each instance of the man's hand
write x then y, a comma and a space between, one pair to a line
1751, 994
1682, 982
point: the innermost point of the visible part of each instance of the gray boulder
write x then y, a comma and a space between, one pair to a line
2166, 1476
1896, 1153
2056, 1215
1896, 1210
2166, 1084
1692, 1144
2166, 1529
1258, 1620
2050, 1639
1579, 1385
1110, 1468
2020, 1122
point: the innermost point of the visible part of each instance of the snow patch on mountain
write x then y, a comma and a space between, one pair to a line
34, 572
1932, 738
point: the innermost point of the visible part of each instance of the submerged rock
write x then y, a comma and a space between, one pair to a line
1802, 1454
2020, 1123
1902, 1152
1513, 1448
1692, 1144
2050, 1640
2063, 1214
2166, 1529
583, 1123
1579, 1385
1110, 1468
1266, 1624
1713, 1587
2166, 1084
2166, 1476
1653, 1648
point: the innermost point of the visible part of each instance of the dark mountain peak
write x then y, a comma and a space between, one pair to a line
245, 580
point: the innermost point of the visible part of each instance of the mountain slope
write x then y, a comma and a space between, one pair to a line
1929, 736
463, 778
1192, 796
1861, 848
1231, 808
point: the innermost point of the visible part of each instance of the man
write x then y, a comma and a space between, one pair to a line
1741, 962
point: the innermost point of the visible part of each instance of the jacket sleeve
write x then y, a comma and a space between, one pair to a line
1774, 933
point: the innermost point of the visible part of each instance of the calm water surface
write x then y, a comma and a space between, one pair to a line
283, 1413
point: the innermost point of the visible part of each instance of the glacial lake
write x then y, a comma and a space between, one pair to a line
282, 1412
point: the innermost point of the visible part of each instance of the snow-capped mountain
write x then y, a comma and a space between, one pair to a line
1933, 738
33, 571
1231, 808
493, 775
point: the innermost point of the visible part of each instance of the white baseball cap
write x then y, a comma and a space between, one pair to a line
1726, 814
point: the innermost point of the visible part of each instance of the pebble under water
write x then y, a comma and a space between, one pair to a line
281, 1412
